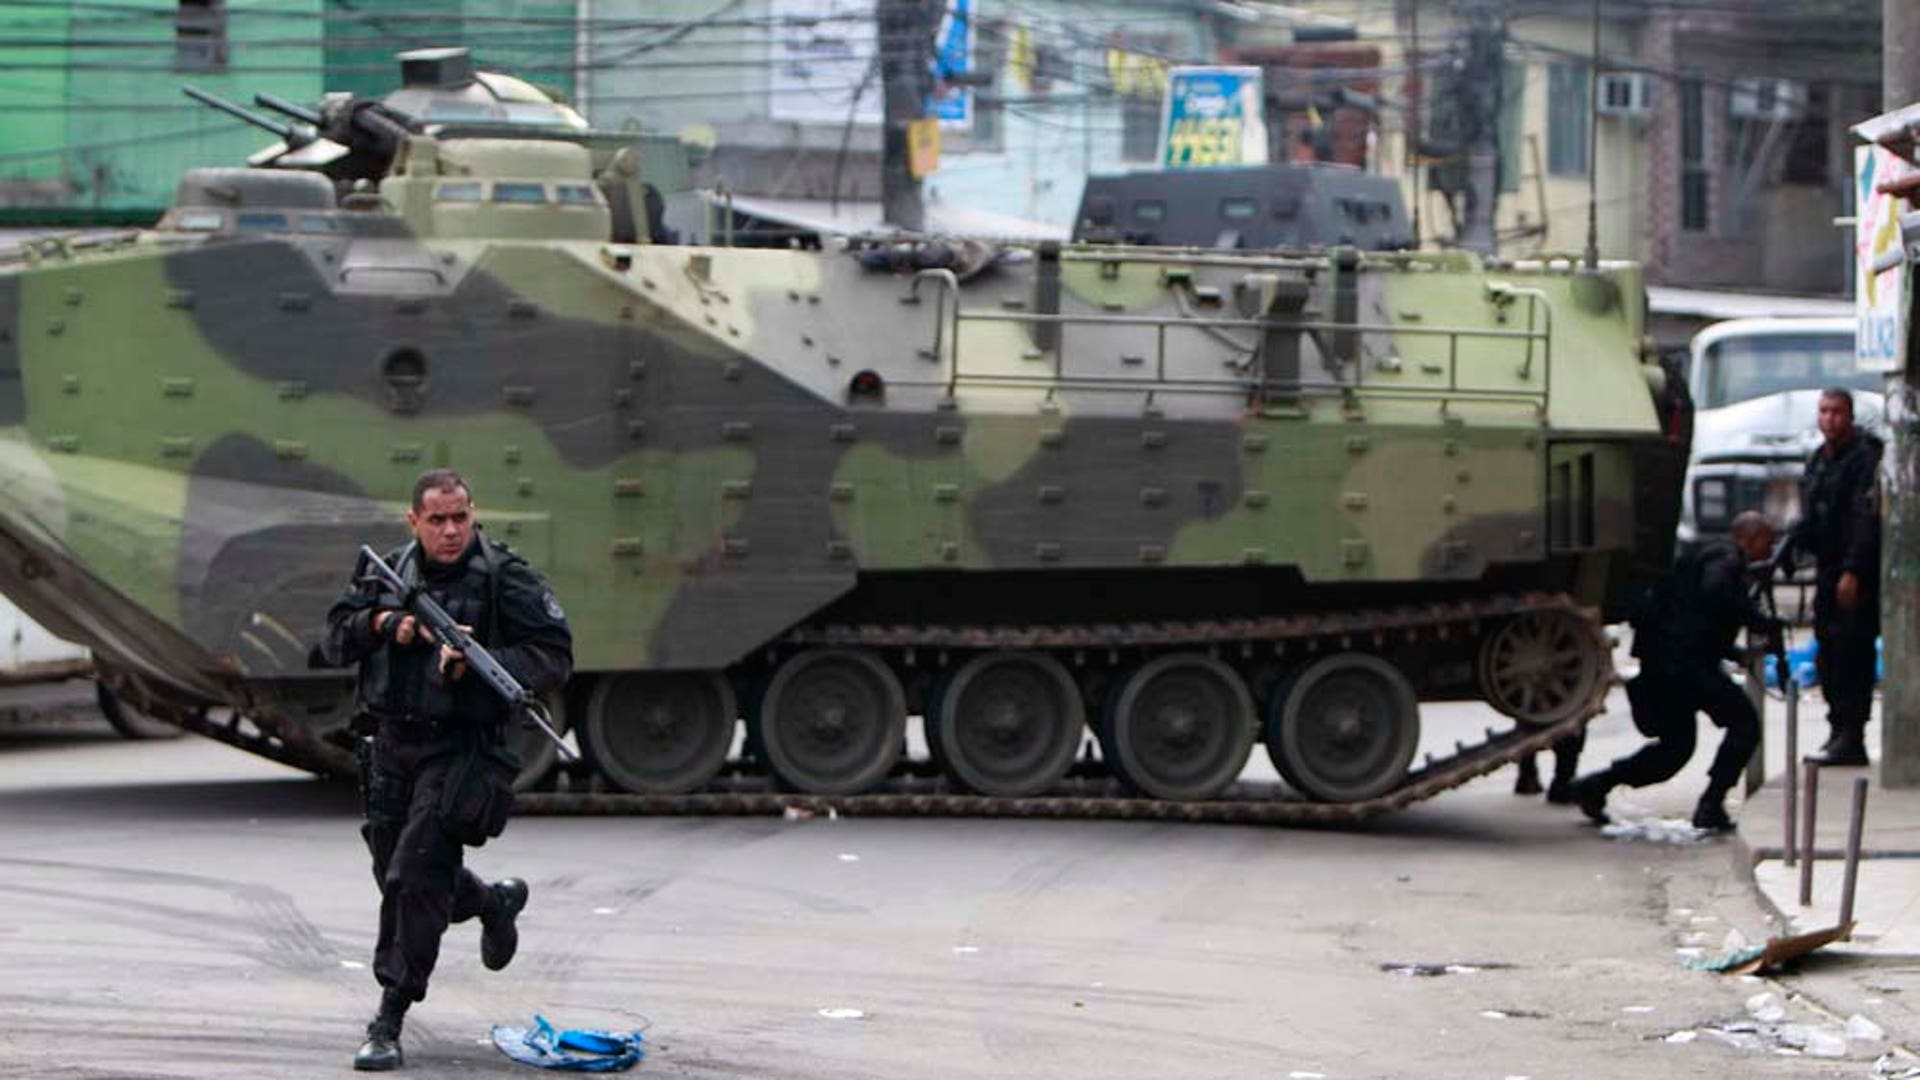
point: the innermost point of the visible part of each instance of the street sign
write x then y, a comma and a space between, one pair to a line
1883, 281
1213, 116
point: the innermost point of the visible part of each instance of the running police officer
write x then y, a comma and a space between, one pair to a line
438, 774
1840, 527
1686, 630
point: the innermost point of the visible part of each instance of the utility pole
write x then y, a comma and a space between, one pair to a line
1900, 596
1480, 98
905, 42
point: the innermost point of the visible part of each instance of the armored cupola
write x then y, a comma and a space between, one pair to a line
218, 200
442, 88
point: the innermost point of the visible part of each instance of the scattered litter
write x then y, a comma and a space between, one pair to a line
1683, 911
1298, 1075
352, 965
569, 1050
1636, 1008
1874, 1001
848, 856
1079, 1004
1889, 1067
1766, 1008
844, 1014
1654, 831
1686, 1036
1433, 970
1690, 952
797, 813
833, 814
1492, 1014
968, 950
1859, 1027
606, 911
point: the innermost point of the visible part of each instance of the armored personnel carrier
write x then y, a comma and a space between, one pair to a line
1190, 501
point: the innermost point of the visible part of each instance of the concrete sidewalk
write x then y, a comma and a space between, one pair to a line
1878, 970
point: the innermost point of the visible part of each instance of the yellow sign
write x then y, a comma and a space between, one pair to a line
923, 147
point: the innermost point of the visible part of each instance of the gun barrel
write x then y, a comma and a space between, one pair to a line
238, 112
287, 108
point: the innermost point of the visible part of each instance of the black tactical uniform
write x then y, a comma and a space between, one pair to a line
1840, 527
1689, 627
429, 733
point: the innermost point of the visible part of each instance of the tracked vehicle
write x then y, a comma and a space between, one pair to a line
1188, 501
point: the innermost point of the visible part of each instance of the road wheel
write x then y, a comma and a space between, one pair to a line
660, 732
832, 721
1180, 727
1544, 666
1344, 728
1007, 723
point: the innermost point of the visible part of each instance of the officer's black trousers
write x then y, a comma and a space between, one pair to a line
417, 864
1665, 705
1845, 657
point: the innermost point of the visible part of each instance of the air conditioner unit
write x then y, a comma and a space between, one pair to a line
1626, 93
1767, 99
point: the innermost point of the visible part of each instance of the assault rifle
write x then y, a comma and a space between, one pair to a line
447, 632
1766, 574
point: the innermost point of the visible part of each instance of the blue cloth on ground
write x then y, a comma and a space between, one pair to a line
570, 1050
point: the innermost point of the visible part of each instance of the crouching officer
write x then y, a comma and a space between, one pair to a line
437, 771
1687, 628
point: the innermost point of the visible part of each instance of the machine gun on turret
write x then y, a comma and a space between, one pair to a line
348, 138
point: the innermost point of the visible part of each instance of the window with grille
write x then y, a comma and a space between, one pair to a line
1568, 114
1693, 157
200, 36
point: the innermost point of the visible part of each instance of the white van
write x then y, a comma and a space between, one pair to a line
1756, 394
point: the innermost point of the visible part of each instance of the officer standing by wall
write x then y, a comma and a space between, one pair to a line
437, 771
1687, 628
1840, 527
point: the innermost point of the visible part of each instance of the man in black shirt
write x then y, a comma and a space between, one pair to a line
1688, 627
1840, 527
437, 770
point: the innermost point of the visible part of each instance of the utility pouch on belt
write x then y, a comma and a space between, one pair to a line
478, 796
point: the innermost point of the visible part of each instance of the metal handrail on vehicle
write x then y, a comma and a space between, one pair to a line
949, 314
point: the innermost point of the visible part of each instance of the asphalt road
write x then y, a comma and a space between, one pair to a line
177, 909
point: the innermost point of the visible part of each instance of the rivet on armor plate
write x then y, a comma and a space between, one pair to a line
1255, 499
1353, 552
626, 547
839, 550
833, 361
734, 547
628, 487
732, 330
180, 298
292, 390
1253, 556
521, 308
806, 340
523, 485
56, 327
1133, 361
793, 295
736, 430
1052, 493
843, 433
70, 384
289, 449
623, 397
647, 282
636, 369
64, 443
74, 296
1153, 440
1153, 496
1354, 500
1152, 553
840, 491
626, 313
1032, 354
404, 452
1448, 504
1013, 303
1048, 551
1358, 444
1113, 307
510, 454
1254, 444
176, 446
736, 489
177, 386
949, 551
1464, 475
636, 430
945, 434
946, 493
713, 322
1053, 437
732, 371
1452, 447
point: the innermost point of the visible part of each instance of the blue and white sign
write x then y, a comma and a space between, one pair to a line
1213, 116
952, 104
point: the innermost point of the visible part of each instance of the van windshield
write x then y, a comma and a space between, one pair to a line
1742, 368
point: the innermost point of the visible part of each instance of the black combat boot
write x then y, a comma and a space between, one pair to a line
1527, 780
381, 1051
1847, 749
499, 938
1711, 814
1589, 793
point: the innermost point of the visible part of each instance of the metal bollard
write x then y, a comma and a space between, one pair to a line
1788, 849
1856, 824
1807, 819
